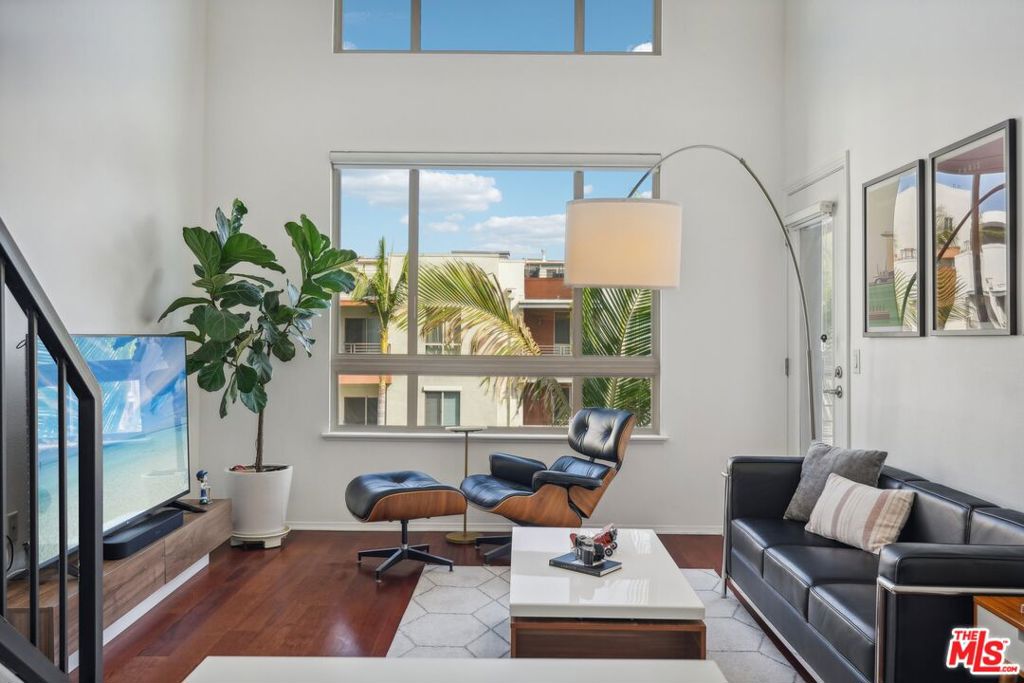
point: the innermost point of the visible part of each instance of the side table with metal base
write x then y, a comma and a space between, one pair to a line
464, 536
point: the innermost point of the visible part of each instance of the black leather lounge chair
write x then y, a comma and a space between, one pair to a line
528, 492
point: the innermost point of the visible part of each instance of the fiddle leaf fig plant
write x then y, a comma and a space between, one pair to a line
240, 322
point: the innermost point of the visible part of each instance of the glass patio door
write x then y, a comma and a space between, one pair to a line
816, 252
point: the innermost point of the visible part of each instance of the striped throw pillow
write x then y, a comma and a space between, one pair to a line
859, 515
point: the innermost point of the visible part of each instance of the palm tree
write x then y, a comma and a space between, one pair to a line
905, 288
462, 293
387, 300
458, 293
615, 323
952, 297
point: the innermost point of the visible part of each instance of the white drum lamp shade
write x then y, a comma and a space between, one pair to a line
623, 243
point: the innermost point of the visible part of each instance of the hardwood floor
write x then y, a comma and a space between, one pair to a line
694, 552
306, 598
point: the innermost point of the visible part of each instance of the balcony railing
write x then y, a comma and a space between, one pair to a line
445, 349
556, 349
20, 653
362, 347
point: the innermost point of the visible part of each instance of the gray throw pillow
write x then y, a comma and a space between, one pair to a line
860, 466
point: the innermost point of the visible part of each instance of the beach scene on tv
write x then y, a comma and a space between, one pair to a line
145, 431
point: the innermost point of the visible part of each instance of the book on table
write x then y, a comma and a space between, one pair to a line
569, 561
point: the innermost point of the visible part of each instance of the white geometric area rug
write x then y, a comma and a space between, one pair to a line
464, 613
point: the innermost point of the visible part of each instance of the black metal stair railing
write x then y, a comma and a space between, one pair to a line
18, 653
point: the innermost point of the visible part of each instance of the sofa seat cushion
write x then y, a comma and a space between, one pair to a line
792, 570
752, 536
844, 614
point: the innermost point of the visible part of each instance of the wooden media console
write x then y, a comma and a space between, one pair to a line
127, 583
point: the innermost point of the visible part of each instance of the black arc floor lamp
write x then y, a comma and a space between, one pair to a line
645, 236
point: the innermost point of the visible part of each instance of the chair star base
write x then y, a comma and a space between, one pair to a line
504, 544
405, 551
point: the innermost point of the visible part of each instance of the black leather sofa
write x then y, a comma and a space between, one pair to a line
829, 602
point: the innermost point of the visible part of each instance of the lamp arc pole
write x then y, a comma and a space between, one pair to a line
789, 247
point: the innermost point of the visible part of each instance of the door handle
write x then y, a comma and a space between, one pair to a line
837, 392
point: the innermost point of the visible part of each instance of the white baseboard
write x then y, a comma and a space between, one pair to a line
137, 612
414, 525
688, 529
488, 527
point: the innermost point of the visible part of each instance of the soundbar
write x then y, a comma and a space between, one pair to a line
134, 538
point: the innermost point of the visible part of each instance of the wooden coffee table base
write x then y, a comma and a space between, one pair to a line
608, 638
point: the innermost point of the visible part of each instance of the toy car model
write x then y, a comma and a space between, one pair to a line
608, 538
590, 552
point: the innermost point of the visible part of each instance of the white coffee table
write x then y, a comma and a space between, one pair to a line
387, 670
645, 610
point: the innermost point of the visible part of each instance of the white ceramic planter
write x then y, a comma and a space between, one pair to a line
259, 503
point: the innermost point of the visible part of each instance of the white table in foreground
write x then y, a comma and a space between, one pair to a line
382, 670
645, 610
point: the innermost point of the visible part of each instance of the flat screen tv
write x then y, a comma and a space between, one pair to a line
145, 432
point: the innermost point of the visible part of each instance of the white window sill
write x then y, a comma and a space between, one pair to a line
485, 436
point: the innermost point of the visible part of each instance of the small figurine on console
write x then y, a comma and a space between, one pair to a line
204, 487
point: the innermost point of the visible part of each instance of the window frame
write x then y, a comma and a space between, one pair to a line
366, 410
367, 340
442, 395
579, 31
450, 343
412, 364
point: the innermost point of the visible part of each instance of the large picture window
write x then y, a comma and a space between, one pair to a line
528, 26
461, 313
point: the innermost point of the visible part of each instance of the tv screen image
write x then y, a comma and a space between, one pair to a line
145, 431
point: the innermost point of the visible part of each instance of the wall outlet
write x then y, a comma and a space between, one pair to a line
12, 525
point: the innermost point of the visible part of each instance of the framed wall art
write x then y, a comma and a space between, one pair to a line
894, 248
974, 226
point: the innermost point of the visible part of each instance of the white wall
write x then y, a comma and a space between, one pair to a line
278, 100
892, 81
101, 132
101, 119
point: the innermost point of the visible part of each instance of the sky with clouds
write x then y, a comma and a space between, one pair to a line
518, 211
499, 25
522, 212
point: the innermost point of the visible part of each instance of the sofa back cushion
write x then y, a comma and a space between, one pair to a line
893, 478
940, 514
997, 526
